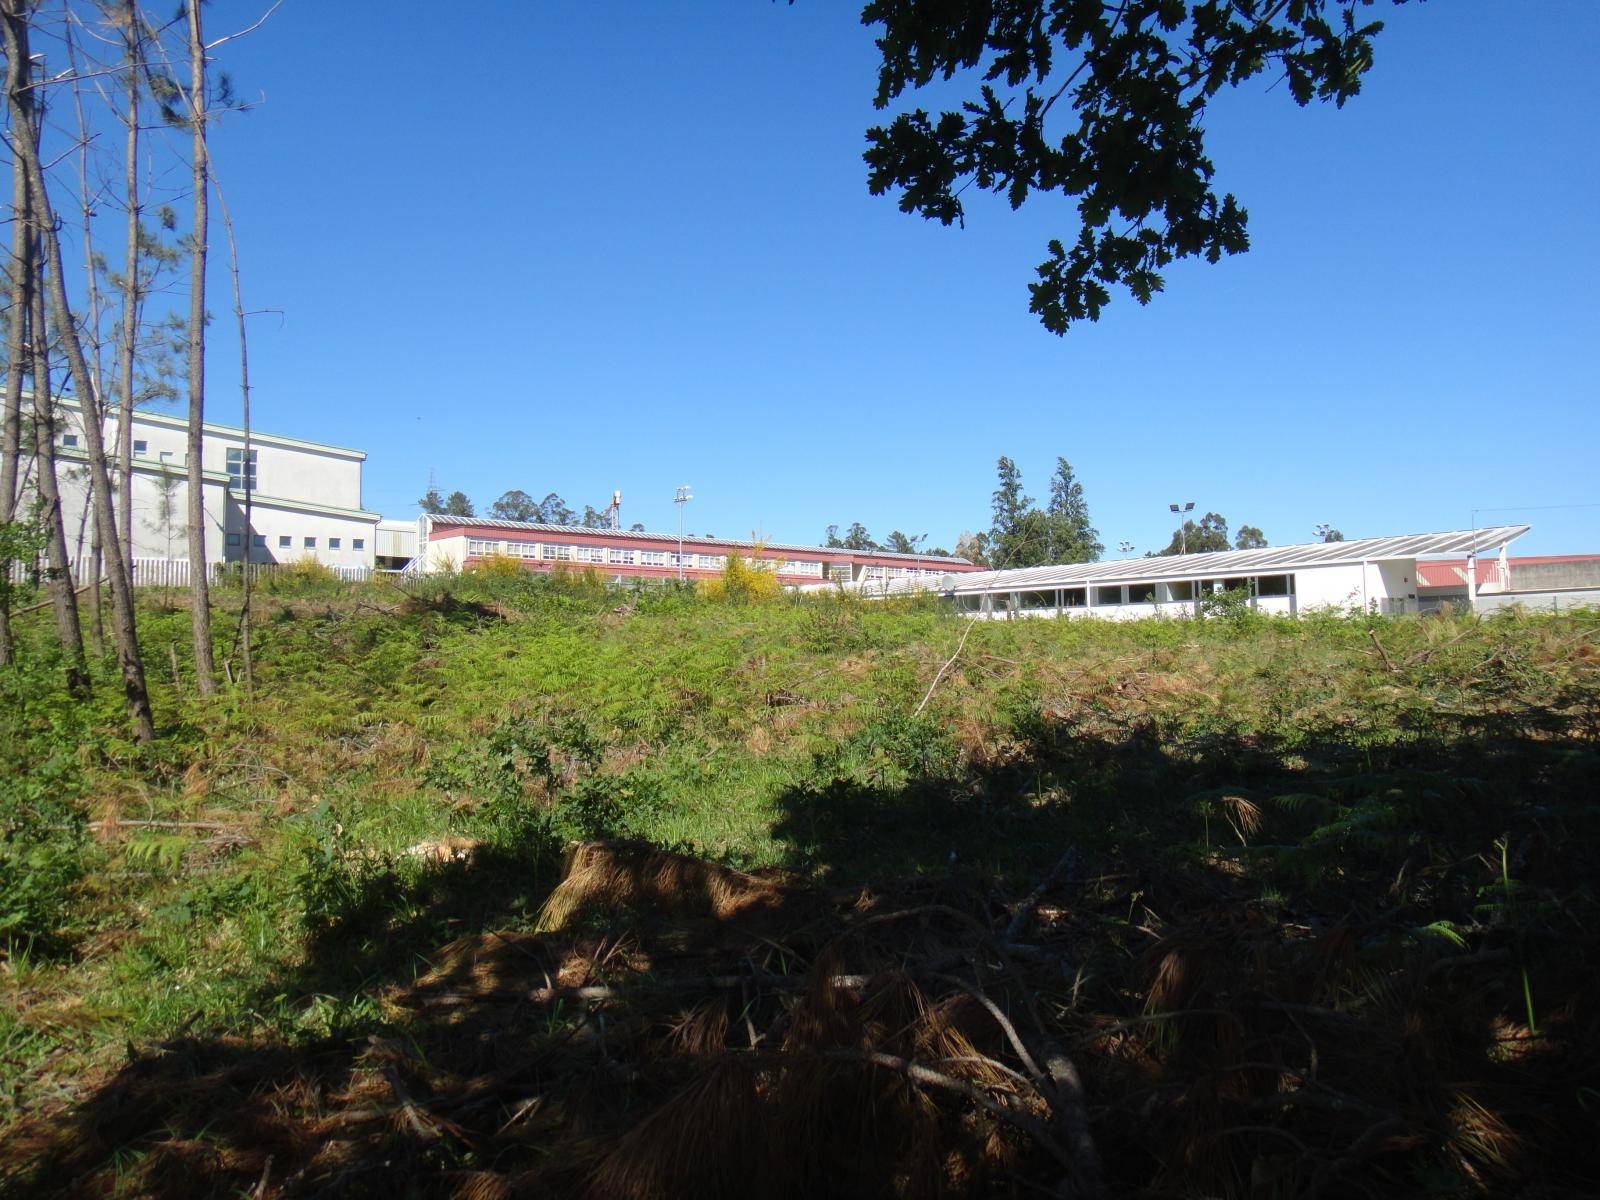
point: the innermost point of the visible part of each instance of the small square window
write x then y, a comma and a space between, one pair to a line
311, 543
284, 541
69, 439
260, 539
140, 446
358, 543
333, 543
233, 539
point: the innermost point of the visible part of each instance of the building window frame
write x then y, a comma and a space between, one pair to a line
242, 471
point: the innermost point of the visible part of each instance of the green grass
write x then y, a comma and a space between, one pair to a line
524, 713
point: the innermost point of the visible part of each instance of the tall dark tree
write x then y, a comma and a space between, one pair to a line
1072, 537
14, 22
19, 271
1249, 538
205, 671
456, 504
1019, 534
1009, 508
553, 510
902, 544
857, 538
1209, 534
1332, 535
1103, 103
515, 505
974, 547
432, 502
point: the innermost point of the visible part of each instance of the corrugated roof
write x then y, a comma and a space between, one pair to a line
544, 527
1220, 564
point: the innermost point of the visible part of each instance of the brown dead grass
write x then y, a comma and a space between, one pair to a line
611, 876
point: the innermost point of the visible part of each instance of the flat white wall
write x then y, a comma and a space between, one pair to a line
273, 524
309, 473
446, 554
160, 513
287, 478
1334, 586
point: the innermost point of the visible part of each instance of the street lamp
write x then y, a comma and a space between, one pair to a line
1125, 546
680, 498
1322, 531
1183, 539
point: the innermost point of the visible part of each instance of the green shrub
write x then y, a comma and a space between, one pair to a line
603, 806
44, 849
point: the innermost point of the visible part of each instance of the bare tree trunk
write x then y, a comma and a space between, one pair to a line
133, 42
98, 534
63, 599
24, 126
205, 668
97, 617
244, 402
21, 269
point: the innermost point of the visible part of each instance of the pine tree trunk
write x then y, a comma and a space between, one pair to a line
58, 578
24, 126
131, 290
98, 532
11, 431
246, 655
205, 668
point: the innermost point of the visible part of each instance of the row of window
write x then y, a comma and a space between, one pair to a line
286, 542
237, 472
140, 446
617, 556
1111, 595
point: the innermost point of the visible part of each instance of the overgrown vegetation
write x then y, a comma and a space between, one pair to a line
1303, 907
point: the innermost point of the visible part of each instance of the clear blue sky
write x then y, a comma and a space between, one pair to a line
577, 246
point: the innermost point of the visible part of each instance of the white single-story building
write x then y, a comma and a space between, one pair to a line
1368, 574
305, 496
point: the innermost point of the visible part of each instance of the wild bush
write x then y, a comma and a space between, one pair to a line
494, 567
743, 580
44, 849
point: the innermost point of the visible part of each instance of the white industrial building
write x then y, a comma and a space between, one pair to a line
1368, 574
305, 496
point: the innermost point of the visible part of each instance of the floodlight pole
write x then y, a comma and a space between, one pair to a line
1183, 537
682, 497
1472, 566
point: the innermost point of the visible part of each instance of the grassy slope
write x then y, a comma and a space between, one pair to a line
1325, 772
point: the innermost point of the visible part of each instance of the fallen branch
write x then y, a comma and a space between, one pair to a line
1026, 1122
599, 992
1383, 654
1025, 910
47, 603
117, 824
949, 662
1072, 1116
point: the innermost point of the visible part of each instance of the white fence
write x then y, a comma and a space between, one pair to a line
174, 572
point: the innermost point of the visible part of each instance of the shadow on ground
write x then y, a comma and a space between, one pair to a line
1313, 968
